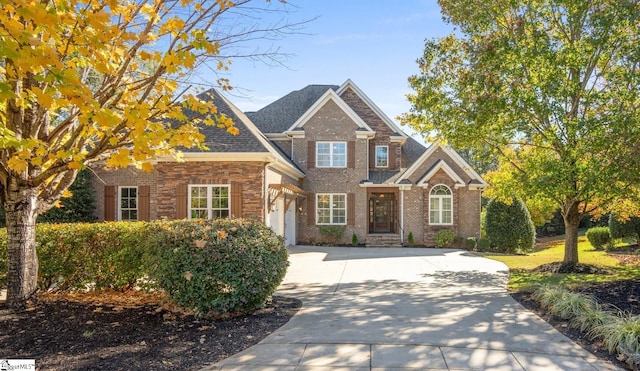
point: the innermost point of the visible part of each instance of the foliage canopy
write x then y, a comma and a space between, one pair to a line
550, 87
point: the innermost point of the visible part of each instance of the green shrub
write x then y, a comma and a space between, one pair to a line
96, 255
444, 238
410, 239
598, 237
470, 243
354, 239
484, 245
219, 266
509, 227
332, 234
86, 255
624, 228
458, 242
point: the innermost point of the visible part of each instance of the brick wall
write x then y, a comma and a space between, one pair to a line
331, 124
248, 174
129, 176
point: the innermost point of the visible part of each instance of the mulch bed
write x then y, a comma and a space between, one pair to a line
81, 333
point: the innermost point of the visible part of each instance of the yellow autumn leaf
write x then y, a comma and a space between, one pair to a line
188, 275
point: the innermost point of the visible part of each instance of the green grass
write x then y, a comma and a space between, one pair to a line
524, 280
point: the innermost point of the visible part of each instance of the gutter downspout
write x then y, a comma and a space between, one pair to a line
402, 216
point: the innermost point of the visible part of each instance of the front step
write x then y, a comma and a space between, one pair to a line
383, 240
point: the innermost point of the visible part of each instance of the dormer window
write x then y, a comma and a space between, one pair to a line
331, 154
382, 156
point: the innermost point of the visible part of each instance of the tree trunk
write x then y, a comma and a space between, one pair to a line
21, 212
571, 216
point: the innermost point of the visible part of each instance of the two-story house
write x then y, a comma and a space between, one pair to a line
323, 155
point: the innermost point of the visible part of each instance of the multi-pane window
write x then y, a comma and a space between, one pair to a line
331, 208
331, 154
128, 203
382, 156
209, 201
440, 205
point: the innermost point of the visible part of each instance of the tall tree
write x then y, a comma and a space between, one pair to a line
551, 86
89, 80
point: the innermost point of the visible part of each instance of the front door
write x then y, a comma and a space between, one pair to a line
382, 213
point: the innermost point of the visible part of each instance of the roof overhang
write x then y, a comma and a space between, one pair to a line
441, 165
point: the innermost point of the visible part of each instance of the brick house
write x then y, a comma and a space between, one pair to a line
322, 155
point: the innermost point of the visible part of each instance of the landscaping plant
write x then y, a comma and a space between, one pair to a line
218, 266
509, 226
444, 238
599, 237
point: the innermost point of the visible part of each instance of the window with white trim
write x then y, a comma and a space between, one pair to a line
331, 154
331, 208
128, 203
440, 205
209, 201
382, 156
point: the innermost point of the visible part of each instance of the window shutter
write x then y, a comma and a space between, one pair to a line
181, 201
351, 154
236, 200
144, 202
311, 208
351, 209
372, 155
311, 154
109, 203
392, 156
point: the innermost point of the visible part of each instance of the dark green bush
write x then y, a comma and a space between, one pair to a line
459, 242
410, 239
509, 227
444, 238
470, 243
354, 239
219, 266
484, 245
624, 228
599, 237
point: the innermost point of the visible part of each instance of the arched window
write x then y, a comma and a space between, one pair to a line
440, 205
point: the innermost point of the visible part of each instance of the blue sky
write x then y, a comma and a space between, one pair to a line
373, 43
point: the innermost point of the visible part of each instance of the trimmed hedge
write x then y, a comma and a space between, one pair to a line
599, 237
86, 255
509, 227
213, 267
219, 266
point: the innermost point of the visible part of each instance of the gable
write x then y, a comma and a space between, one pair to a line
440, 166
369, 111
328, 101
440, 158
280, 115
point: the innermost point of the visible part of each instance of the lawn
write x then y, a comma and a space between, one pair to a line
522, 279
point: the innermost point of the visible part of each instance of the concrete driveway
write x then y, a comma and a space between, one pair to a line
382, 309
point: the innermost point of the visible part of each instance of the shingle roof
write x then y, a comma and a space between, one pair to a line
278, 116
411, 151
383, 176
217, 139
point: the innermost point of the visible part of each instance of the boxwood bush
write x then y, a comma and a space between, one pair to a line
444, 238
219, 266
598, 237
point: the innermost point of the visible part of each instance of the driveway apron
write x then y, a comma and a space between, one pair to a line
409, 308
